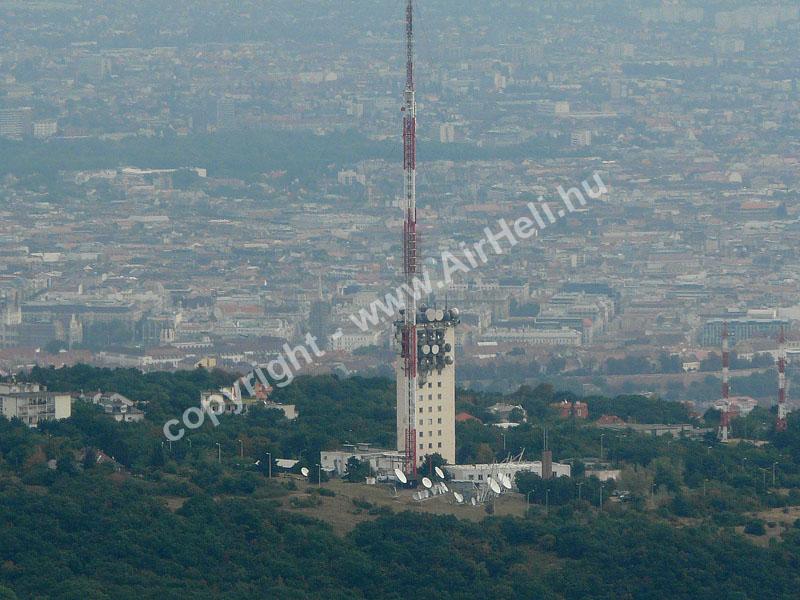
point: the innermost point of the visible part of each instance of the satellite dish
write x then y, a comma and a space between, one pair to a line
401, 477
473, 501
459, 498
506, 480
304, 471
444, 487
435, 348
439, 315
426, 349
427, 482
430, 314
494, 486
439, 472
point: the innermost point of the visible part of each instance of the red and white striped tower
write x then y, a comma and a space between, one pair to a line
725, 421
780, 423
410, 258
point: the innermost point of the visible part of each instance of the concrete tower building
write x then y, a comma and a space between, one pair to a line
436, 385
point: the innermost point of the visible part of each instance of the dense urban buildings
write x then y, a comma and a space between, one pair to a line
215, 191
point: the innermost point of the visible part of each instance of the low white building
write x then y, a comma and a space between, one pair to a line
381, 461
225, 396
480, 473
118, 407
349, 341
536, 337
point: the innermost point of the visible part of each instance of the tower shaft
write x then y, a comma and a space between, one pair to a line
724, 424
780, 423
410, 249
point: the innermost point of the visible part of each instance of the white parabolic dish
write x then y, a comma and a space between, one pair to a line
427, 482
401, 477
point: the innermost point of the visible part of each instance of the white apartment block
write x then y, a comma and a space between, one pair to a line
35, 406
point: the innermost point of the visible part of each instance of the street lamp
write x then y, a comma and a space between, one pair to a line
601, 496
241, 448
319, 474
775, 464
219, 452
528, 497
602, 435
547, 501
580, 483
504, 441
270, 465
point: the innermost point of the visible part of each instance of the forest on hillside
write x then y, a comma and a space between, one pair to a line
169, 522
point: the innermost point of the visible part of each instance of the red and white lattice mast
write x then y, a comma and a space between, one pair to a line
725, 421
410, 257
780, 423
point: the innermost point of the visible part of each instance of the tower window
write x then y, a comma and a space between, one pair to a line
439, 408
440, 444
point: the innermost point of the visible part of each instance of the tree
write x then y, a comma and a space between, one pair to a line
65, 465
755, 527
89, 458
430, 462
357, 470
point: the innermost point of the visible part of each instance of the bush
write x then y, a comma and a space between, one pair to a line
380, 511
727, 518
362, 503
755, 527
307, 502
